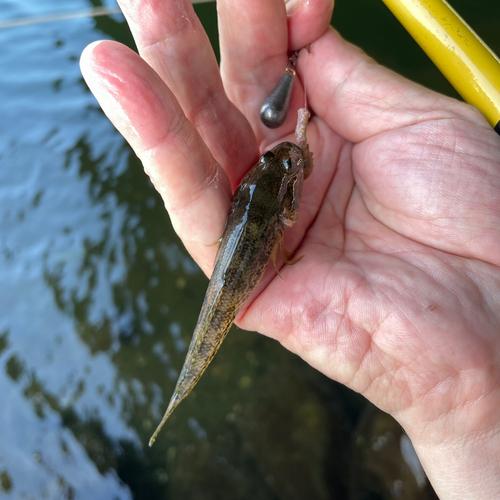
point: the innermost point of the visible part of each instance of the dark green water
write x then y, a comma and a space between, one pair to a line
98, 301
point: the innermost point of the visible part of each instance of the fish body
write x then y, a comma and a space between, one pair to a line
266, 201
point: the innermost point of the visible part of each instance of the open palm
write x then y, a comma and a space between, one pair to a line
398, 295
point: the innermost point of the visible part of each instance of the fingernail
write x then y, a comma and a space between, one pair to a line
292, 6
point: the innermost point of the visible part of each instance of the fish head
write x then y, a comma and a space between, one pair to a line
285, 159
287, 162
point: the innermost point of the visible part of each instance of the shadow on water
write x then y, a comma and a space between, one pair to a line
99, 299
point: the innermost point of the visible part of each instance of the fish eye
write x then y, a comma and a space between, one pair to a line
267, 157
287, 163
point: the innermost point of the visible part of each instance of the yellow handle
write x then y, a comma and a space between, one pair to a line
463, 58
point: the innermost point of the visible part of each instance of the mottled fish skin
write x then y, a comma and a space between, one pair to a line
266, 201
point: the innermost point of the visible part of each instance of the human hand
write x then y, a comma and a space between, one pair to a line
398, 294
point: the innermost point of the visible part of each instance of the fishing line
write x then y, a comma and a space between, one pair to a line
305, 76
63, 16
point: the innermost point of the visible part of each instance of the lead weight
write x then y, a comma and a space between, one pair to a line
275, 107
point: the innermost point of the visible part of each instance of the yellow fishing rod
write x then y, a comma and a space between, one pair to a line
463, 58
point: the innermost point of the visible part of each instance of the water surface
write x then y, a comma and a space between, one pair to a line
98, 300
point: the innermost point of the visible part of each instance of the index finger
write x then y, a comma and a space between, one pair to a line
171, 39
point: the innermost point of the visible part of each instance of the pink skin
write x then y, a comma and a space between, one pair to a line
398, 295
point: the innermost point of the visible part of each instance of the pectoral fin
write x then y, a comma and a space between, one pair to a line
286, 255
273, 258
216, 242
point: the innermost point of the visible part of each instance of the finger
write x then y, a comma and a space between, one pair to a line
172, 40
175, 157
422, 176
359, 98
254, 53
307, 21
255, 43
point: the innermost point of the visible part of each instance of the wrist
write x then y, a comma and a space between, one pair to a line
460, 453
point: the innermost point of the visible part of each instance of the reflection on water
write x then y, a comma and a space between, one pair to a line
97, 304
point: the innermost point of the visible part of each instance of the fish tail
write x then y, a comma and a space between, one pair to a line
191, 372
171, 407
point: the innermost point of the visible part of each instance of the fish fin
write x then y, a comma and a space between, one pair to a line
216, 242
286, 255
273, 258
174, 402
